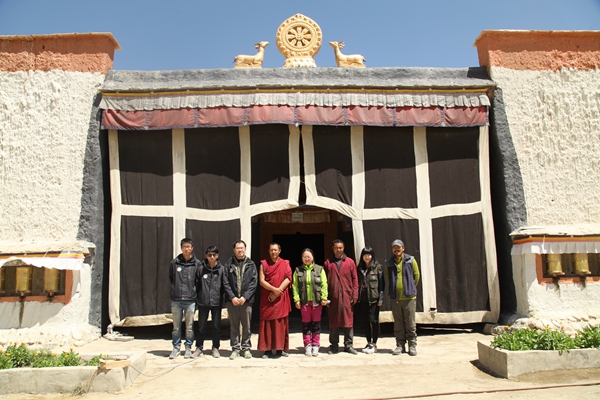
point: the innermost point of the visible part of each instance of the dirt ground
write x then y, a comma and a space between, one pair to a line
446, 367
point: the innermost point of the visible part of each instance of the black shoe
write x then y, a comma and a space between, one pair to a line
333, 349
351, 350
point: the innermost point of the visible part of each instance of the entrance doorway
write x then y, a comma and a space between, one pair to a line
293, 244
297, 229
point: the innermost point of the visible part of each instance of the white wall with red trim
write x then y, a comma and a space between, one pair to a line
47, 92
550, 83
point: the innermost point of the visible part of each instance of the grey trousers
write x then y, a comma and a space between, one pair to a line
405, 327
239, 315
334, 336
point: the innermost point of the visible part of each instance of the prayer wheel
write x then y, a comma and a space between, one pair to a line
51, 280
2, 280
24, 275
582, 266
554, 264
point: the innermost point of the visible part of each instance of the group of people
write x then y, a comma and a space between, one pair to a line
339, 284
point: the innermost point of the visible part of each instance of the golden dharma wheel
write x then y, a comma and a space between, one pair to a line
299, 39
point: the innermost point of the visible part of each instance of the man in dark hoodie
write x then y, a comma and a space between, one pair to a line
210, 282
182, 275
242, 281
402, 276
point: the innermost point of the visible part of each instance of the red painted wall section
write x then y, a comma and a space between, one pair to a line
83, 52
539, 50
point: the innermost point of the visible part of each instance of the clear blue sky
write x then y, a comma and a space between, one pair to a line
186, 34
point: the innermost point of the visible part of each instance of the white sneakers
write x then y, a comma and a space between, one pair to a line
308, 350
370, 348
315, 350
311, 350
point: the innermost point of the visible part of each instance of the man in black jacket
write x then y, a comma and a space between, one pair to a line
210, 282
182, 275
242, 281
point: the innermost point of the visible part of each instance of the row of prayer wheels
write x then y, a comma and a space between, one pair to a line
24, 275
554, 265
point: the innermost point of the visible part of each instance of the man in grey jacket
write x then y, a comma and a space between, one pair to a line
182, 275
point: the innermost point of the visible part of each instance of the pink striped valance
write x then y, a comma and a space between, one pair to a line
302, 115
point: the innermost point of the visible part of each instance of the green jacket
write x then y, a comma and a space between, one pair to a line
310, 284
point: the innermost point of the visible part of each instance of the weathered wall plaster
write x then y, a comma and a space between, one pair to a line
549, 83
49, 112
539, 50
83, 52
554, 119
43, 135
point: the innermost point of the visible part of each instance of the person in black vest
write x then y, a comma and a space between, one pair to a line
402, 277
370, 298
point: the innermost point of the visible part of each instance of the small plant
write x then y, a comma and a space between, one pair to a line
69, 359
93, 362
5, 361
20, 356
554, 340
588, 338
44, 359
546, 339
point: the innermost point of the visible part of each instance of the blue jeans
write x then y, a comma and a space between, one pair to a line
178, 308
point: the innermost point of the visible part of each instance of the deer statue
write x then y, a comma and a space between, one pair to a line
254, 61
354, 60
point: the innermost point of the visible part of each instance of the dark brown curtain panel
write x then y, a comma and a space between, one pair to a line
146, 167
212, 157
146, 252
333, 162
270, 179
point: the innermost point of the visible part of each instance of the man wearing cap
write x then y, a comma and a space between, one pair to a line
401, 274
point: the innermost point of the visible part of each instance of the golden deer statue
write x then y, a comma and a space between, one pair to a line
255, 61
354, 60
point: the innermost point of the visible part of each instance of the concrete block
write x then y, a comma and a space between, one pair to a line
508, 364
69, 380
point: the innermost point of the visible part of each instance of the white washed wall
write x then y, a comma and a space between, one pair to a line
554, 120
44, 120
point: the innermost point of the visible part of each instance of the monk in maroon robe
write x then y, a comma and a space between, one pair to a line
275, 276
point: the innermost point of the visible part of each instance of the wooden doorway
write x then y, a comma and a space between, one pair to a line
295, 230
